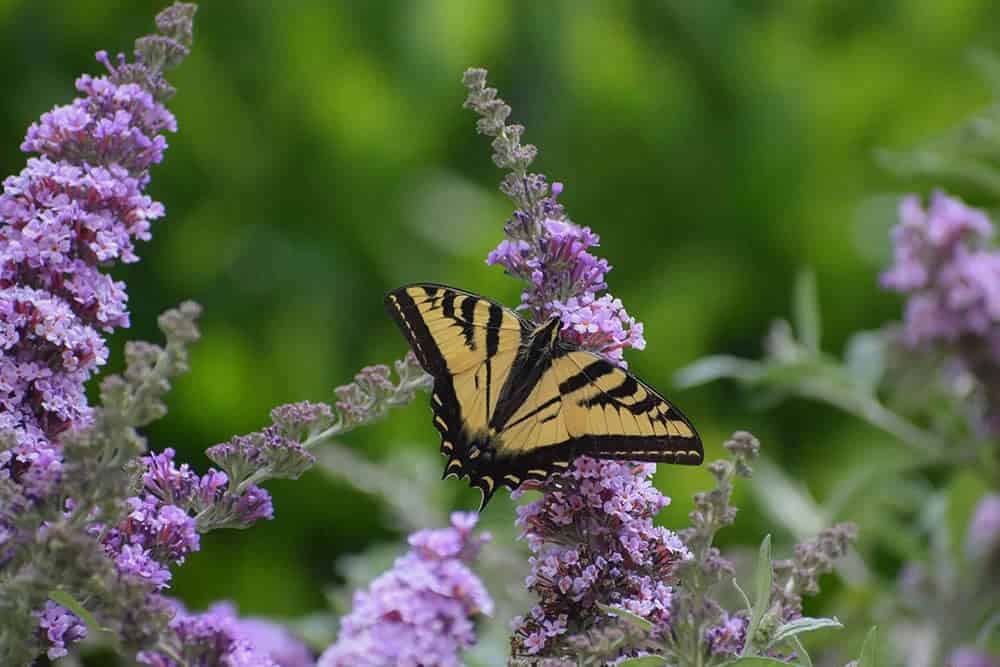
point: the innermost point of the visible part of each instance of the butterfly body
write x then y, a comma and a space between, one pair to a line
514, 401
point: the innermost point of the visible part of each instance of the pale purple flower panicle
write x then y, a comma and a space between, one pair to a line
983, 537
942, 262
952, 277
593, 541
968, 656
275, 641
421, 612
213, 638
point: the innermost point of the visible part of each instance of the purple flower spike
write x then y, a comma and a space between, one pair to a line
952, 278
210, 639
421, 611
984, 530
967, 656
58, 628
728, 637
624, 560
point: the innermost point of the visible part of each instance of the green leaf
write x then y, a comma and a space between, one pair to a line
71, 603
869, 650
755, 661
804, 624
762, 579
786, 500
989, 68
801, 652
865, 359
717, 367
746, 598
806, 306
644, 661
626, 615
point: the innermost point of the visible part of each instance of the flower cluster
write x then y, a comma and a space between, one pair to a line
77, 208
544, 247
219, 637
421, 611
593, 542
943, 262
983, 538
58, 628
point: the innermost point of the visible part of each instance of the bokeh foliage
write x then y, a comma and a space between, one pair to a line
324, 157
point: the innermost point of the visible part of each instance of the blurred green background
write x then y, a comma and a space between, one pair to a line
324, 157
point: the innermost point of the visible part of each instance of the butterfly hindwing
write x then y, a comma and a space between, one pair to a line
584, 404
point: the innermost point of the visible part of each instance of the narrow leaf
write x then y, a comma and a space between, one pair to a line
804, 624
865, 358
762, 579
626, 615
801, 652
806, 305
644, 661
65, 599
989, 67
755, 661
786, 500
746, 598
709, 369
869, 650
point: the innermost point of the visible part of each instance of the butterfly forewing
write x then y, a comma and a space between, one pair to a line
469, 345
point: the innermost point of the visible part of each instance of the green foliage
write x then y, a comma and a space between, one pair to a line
323, 158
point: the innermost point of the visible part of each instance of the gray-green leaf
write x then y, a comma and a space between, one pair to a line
762, 579
717, 367
755, 661
804, 624
806, 305
869, 650
65, 599
626, 615
644, 661
865, 358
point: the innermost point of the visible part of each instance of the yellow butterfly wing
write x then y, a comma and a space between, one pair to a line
514, 403
468, 344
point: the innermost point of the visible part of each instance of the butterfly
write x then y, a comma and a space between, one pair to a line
514, 401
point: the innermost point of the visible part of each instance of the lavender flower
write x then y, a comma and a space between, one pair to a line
943, 263
275, 641
421, 611
967, 656
210, 639
983, 537
593, 541
58, 629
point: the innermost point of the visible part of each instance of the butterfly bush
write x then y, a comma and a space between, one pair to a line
944, 264
82, 509
544, 247
422, 611
595, 548
593, 542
